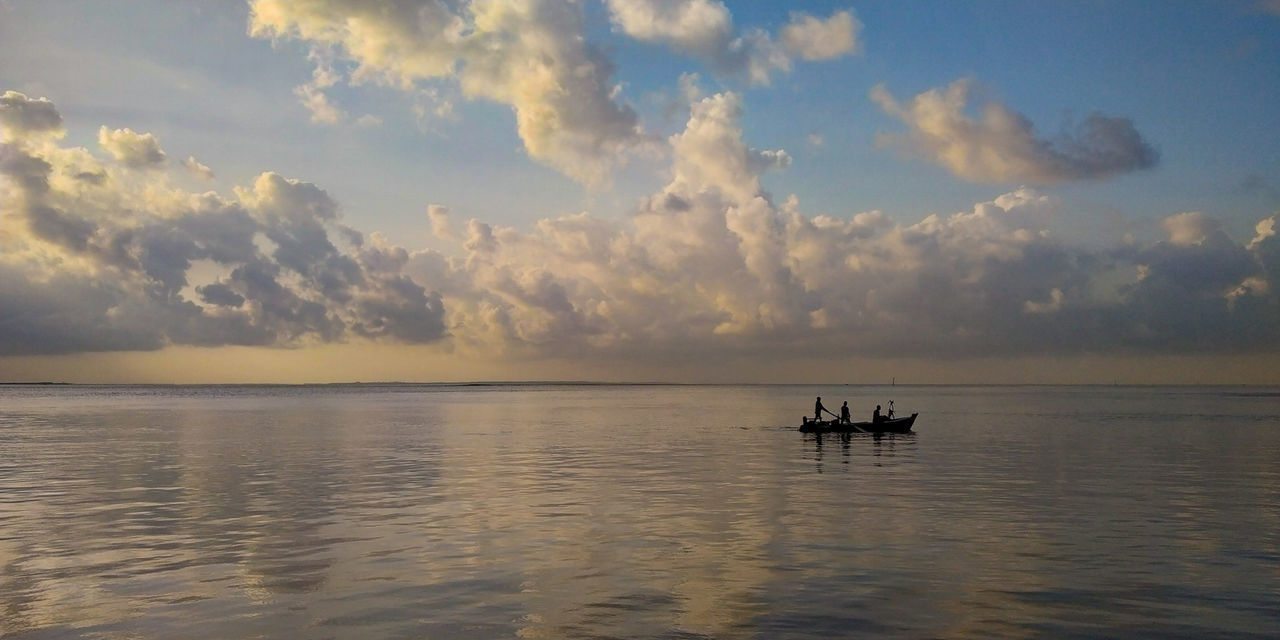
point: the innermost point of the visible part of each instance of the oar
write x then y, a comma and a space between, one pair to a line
851, 424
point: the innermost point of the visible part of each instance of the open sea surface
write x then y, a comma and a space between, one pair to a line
586, 511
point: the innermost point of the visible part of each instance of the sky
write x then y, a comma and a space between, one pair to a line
633, 190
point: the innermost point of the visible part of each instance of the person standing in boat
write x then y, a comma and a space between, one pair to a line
818, 409
844, 413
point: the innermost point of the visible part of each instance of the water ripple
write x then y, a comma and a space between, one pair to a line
628, 512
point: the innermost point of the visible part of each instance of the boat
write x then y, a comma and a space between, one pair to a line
888, 425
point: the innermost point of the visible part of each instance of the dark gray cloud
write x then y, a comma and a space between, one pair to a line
31, 172
60, 228
220, 294
402, 309
66, 313
20, 115
1100, 147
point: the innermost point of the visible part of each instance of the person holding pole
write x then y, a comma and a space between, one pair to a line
818, 409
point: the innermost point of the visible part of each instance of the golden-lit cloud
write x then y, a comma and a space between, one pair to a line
530, 55
132, 149
813, 38
704, 29
312, 94
1002, 145
196, 168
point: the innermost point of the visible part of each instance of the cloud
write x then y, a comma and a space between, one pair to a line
1002, 146
815, 39
1192, 227
113, 264
1266, 246
30, 172
1200, 291
710, 153
709, 268
440, 225
530, 55
317, 102
704, 29
63, 312
312, 95
197, 169
694, 26
132, 149
23, 116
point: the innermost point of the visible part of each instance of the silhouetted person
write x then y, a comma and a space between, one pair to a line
844, 412
890, 415
875, 415
818, 409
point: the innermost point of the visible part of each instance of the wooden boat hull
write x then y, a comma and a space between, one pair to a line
894, 425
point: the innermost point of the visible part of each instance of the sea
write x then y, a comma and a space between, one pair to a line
637, 511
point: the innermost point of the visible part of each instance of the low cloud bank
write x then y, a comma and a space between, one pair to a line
100, 252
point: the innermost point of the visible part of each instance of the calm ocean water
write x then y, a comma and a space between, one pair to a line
637, 512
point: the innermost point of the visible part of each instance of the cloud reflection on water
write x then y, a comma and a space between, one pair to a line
631, 511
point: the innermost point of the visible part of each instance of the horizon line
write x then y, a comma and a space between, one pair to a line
604, 383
